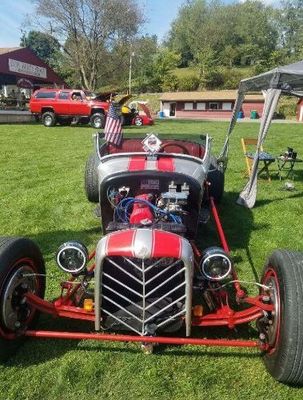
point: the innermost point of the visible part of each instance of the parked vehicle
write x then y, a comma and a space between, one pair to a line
137, 113
147, 281
65, 106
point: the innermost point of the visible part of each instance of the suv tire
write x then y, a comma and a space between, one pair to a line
48, 119
97, 120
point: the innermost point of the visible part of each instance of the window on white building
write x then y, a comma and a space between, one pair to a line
188, 106
201, 106
214, 106
227, 106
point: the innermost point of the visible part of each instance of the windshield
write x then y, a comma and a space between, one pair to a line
90, 95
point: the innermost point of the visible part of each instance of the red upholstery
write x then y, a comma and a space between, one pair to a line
168, 146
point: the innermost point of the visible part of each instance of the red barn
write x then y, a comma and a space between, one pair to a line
208, 104
20, 67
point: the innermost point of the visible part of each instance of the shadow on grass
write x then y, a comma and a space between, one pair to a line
51, 240
36, 351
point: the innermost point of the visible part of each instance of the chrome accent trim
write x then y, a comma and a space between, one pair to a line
121, 308
122, 284
143, 242
172, 317
141, 153
166, 307
186, 256
166, 281
122, 322
123, 297
165, 295
124, 271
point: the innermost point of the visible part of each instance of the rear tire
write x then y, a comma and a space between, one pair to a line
216, 179
91, 179
138, 121
48, 119
18, 257
97, 120
284, 333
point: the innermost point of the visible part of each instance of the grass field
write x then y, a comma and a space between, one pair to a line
42, 197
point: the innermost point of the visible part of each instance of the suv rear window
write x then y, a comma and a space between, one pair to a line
63, 95
45, 95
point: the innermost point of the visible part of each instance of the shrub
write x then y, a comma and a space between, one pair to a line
188, 82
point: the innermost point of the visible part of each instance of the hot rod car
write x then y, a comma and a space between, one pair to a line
147, 281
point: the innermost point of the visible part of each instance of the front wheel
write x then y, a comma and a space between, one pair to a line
97, 120
21, 271
48, 119
282, 329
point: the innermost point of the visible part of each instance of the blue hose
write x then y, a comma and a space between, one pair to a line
122, 212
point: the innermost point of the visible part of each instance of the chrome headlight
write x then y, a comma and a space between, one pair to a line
72, 257
215, 264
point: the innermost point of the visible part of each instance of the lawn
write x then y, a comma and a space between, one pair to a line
42, 197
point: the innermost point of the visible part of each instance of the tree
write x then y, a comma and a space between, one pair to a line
89, 31
234, 33
43, 45
291, 28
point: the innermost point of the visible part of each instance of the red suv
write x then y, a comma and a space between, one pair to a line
67, 105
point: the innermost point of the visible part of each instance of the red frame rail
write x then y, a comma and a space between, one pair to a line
143, 339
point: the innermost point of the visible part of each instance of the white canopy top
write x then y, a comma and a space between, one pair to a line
287, 79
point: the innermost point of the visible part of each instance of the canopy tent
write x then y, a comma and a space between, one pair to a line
287, 79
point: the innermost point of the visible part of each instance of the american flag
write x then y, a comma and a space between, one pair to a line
113, 126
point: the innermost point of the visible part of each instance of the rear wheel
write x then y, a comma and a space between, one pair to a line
91, 179
97, 120
138, 121
21, 271
282, 329
48, 119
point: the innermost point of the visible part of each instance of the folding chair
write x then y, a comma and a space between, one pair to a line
264, 157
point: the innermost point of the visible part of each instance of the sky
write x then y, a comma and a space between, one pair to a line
159, 14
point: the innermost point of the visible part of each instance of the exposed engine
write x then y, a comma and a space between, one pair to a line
148, 208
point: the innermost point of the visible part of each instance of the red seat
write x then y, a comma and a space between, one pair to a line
168, 146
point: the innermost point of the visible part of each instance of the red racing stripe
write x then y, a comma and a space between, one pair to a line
121, 243
137, 163
166, 164
166, 244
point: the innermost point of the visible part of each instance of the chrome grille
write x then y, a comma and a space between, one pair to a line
143, 295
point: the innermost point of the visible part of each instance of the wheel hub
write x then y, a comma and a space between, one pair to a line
269, 325
48, 120
15, 312
97, 122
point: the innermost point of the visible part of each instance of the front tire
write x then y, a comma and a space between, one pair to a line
48, 119
283, 333
97, 121
20, 261
91, 179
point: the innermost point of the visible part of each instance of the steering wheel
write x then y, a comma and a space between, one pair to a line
176, 144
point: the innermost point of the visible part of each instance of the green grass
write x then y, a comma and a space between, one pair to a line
42, 197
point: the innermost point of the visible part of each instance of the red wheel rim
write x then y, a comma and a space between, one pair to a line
13, 282
271, 280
